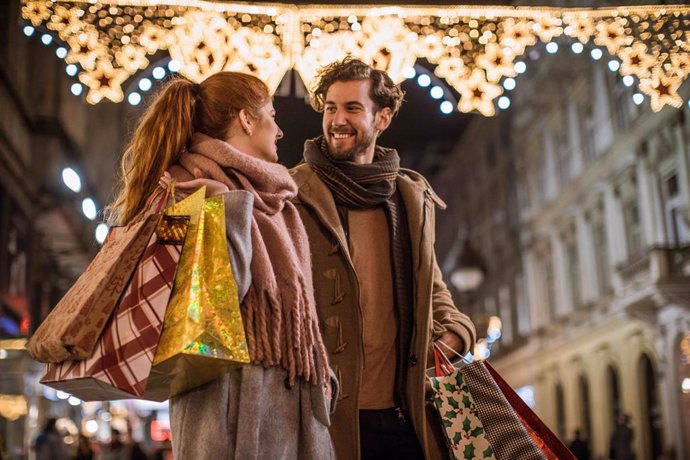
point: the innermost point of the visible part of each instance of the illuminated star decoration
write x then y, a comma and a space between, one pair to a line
477, 93
548, 28
156, 38
85, 50
611, 35
452, 70
681, 64
104, 81
662, 90
635, 60
132, 58
497, 62
579, 26
36, 12
204, 37
517, 35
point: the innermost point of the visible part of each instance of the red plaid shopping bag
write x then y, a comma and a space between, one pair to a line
121, 362
72, 328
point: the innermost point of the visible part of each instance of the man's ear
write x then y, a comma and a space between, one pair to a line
383, 119
246, 121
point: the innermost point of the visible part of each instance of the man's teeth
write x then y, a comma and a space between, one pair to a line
341, 135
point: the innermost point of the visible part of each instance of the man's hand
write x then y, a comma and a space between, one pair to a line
451, 340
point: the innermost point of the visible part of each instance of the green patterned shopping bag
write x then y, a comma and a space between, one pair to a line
483, 418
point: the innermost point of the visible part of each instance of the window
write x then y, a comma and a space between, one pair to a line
633, 228
505, 307
574, 272
614, 394
549, 287
625, 110
601, 258
651, 408
585, 407
588, 133
560, 411
523, 315
563, 147
678, 232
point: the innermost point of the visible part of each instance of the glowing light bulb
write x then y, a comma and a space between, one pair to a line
424, 80
101, 233
71, 179
446, 107
88, 207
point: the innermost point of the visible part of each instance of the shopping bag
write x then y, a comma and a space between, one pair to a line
121, 362
483, 418
72, 328
203, 336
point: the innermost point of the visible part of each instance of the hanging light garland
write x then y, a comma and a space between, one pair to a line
472, 48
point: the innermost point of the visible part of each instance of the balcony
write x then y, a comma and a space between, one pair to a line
653, 278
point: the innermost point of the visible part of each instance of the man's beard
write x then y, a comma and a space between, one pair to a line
362, 142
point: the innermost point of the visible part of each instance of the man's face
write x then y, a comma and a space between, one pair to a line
351, 121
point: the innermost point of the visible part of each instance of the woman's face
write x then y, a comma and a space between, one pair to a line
265, 134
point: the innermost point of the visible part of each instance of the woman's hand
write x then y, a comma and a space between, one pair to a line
213, 187
329, 391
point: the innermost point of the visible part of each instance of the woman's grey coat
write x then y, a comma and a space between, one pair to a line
251, 412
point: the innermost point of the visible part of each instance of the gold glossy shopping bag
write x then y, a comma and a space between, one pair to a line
203, 335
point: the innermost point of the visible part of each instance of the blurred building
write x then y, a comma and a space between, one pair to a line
46, 238
577, 199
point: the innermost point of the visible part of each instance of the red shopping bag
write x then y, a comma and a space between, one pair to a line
73, 327
483, 418
121, 362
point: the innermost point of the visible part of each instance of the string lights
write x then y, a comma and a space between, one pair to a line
474, 49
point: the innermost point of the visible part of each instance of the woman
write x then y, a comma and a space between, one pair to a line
222, 134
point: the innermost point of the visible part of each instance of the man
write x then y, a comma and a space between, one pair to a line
379, 293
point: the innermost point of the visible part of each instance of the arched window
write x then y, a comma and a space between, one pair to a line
651, 410
585, 408
560, 412
614, 395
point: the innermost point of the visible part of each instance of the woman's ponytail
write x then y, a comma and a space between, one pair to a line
159, 139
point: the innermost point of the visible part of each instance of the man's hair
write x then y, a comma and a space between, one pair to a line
383, 91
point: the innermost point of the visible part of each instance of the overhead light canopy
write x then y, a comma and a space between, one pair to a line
472, 47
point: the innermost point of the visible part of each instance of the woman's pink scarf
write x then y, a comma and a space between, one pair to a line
279, 310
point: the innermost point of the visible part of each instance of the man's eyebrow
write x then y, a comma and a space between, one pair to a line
347, 103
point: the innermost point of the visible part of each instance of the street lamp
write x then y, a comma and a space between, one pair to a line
468, 273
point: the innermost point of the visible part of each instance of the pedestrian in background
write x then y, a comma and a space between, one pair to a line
579, 447
621, 440
84, 450
49, 444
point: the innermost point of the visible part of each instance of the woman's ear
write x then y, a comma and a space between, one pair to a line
247, 122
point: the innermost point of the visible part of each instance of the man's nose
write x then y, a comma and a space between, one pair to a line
339, 118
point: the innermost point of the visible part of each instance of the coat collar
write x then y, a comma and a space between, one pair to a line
315, 194
413, 187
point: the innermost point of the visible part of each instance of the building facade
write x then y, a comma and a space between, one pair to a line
46, 240
578, 200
